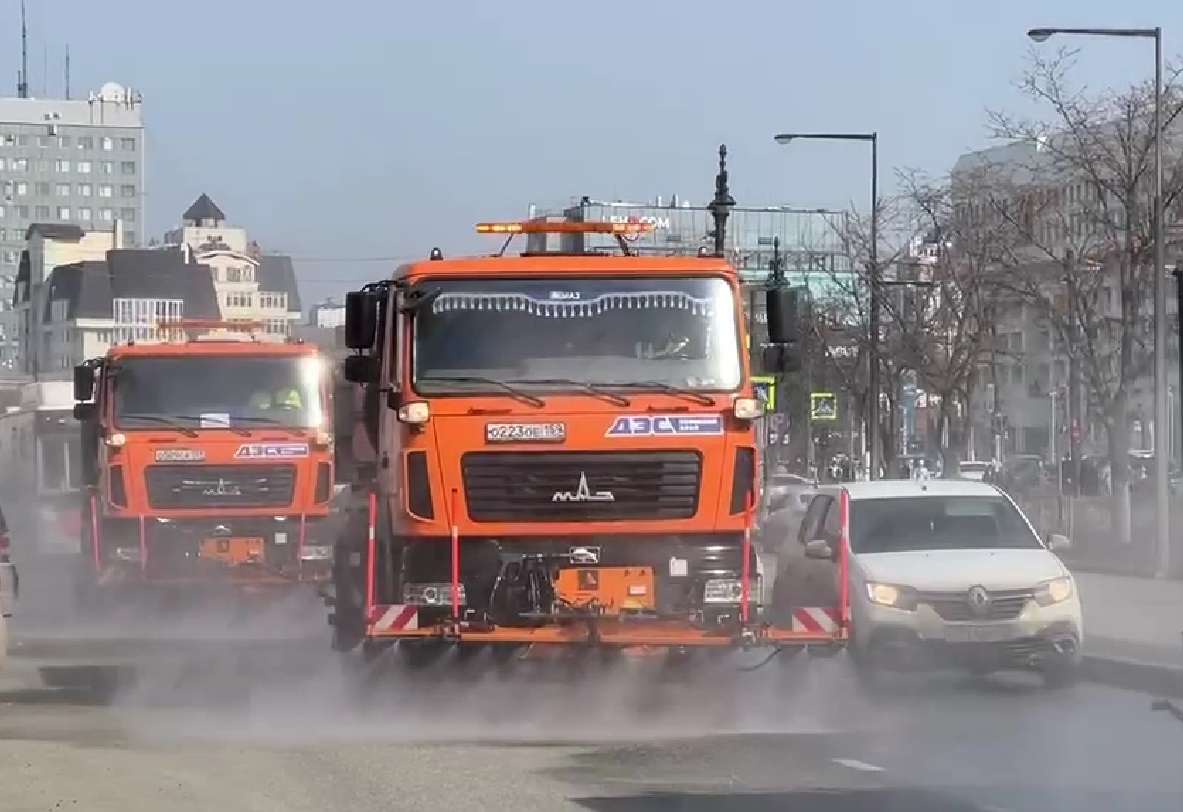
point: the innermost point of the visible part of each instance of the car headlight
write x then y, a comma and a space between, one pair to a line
748, 408
1057, 590
897, 597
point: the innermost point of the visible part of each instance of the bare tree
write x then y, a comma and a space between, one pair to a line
1078, 200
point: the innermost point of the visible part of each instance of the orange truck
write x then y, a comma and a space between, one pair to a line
565, 453
207, 458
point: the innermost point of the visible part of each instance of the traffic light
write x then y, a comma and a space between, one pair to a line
789, 322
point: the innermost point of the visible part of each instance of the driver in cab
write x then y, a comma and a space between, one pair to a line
282, 399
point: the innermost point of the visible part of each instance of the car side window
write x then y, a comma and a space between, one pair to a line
832, 525
813, 518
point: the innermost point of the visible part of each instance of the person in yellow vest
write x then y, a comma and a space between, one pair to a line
287, 398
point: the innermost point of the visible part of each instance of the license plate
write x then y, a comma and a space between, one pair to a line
525, 432
233, 550
980, 634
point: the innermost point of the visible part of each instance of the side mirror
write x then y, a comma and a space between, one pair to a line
1057, 542
361, 320
819, 550
85, 411
786, 315
359, 368
84, 377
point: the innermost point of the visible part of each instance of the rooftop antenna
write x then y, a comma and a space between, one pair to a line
22, 77
67, 73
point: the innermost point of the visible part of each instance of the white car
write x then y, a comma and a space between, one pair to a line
942, 574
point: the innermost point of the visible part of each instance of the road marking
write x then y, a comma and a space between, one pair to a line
855, 764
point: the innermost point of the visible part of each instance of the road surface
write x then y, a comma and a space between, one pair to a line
306, 740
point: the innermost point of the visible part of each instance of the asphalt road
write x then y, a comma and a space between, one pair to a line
255, 728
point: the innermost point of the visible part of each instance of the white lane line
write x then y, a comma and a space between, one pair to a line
855, 764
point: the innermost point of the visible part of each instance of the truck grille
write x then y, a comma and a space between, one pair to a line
581, 485
1005, 604
182, 487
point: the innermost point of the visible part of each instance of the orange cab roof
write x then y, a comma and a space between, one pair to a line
210, 346
572, 264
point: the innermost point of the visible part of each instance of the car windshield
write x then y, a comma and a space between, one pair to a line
570, 332
938, 523
207, 391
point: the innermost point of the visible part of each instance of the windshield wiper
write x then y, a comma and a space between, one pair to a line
661, 386
171, 422
590, 388
271, 421
526, 397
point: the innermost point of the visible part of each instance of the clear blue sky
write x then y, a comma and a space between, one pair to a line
379, 128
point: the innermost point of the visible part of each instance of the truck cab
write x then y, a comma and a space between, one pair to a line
207, 457
558, 435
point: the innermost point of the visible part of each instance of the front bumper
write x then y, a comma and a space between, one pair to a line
921, 640
282, 549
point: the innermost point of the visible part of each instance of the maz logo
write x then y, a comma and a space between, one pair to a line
583, 493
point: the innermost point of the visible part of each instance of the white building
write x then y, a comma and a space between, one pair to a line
250, 285
1059, 213
76, 162
328, 314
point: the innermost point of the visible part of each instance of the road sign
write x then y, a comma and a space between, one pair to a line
765, 388
823, 406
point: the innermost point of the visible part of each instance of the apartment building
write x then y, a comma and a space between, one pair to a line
66, 161
1025, 390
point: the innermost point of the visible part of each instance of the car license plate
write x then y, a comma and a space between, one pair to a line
233, 550
525, 432
993, 633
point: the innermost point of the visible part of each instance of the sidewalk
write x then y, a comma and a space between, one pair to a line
1133, 618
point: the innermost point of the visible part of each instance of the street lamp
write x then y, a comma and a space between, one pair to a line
1161, 417
873, 278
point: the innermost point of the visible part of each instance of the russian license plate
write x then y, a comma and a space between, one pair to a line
233, 550
992, 633
525, 432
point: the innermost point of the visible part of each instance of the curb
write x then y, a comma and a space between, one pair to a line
1134, 675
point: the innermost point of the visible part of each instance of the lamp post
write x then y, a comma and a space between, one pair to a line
1161, 418
873, 328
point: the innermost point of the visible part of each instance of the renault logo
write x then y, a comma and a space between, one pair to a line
979, 600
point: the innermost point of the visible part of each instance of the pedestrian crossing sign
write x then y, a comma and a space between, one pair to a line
823, 406
764, 387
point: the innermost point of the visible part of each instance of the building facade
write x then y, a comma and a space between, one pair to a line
67, 161
250, 285
1023, 394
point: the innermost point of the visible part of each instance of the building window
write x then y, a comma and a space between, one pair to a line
64, 141
85, 213
129, 237
128, 215
85, 190
63, 212
107, 214
41, 189
1, 164
63, 190
107, 167
22, 212
136, 319
86, 142
127, 144
108, 144
19, 165
45, 141
9, 257
21, 189
83, 167
127, 167
41, 166
42, 212
106, 190
127, 190
61, 165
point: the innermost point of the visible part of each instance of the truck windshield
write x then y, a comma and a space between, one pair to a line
667, 332
208, 391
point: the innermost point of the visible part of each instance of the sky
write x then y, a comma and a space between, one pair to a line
361, 133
